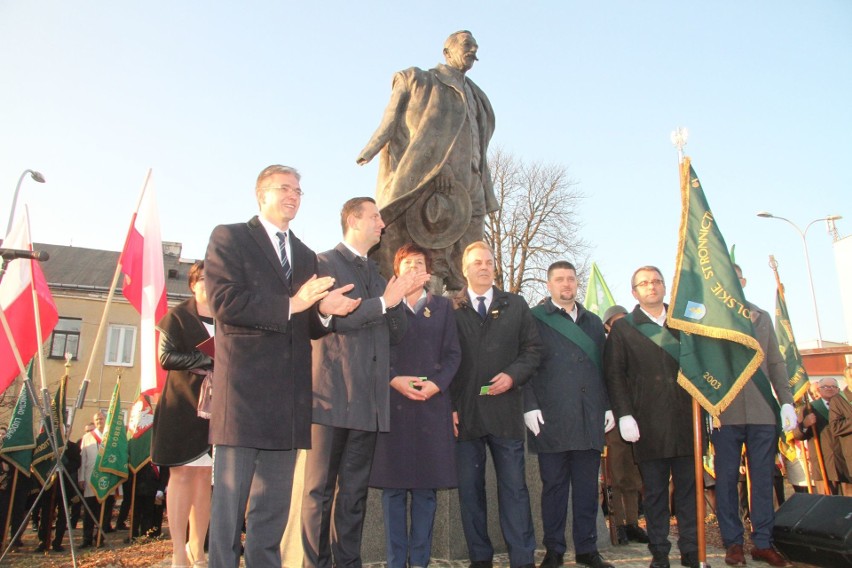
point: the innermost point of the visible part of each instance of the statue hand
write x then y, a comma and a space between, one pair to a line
444, 181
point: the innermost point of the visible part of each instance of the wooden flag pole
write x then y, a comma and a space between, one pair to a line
700, 506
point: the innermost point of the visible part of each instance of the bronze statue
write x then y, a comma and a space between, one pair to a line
434, 187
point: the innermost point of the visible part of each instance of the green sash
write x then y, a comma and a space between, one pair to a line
571, 331
661, 336
820, 408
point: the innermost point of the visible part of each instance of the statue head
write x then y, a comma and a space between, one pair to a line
460, 50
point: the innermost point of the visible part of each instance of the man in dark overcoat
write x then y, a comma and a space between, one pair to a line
655, 413
567, 411
262, 287
501, 350
350, 391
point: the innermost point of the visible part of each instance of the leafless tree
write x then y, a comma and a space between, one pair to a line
537, 223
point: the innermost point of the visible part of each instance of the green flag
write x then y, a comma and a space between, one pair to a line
43, 457
111, 464
598, 297
139, 432
19, 441
796, 374
718, 353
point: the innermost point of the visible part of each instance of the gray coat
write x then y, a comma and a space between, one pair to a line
750, 406
350, 366
568, 388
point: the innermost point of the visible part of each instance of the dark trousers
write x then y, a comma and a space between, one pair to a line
89, 522
260, 481
337, 470
655, 475
574, 473
50, 506
513, 498
761, 442
409, 547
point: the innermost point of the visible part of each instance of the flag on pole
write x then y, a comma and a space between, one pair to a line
718, 353
23, 280
43, 456
796, 374
145, 284
598, 297
139, 433
111, 464
19, 441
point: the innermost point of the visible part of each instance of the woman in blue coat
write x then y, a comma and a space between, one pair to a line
417, 456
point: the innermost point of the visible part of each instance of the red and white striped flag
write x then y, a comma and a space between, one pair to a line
145, 285
22, 277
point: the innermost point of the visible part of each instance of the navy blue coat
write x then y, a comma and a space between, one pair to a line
419, 450
568, 388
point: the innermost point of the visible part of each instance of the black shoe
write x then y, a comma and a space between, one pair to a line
41, 547
660, 561
482, 564
86, 544
636, 533
551, 560
621, 535
58, 547
690, 560
592, 559
121, 527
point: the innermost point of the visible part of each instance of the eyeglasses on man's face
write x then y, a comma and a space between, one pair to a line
646, 283
286, 189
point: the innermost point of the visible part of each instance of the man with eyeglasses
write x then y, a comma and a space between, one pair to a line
263, 288
819, 419
751, 420
641, 362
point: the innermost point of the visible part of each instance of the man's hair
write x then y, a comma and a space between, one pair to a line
271, 171
473, 246
640, 269
196, 272
352, 207
411, 249
824, 380
560, 264
453, 39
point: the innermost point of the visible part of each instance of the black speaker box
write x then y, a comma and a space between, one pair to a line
816, 529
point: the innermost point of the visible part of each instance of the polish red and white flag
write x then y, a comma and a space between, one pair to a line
23, 286
145, 285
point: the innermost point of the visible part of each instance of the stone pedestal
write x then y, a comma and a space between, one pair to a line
448, 538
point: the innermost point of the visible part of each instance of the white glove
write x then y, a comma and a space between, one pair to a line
789, 420
532, 419
609, 421
628, 428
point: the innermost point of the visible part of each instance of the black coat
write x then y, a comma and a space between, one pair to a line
568, 388
641, 381
506, 341
262, 386
179, 435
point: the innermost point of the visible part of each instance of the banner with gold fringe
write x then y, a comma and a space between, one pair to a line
718, 353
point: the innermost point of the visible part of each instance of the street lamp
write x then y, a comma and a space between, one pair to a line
33, 174
803, 234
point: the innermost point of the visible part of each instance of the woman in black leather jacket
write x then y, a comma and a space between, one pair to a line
180, 435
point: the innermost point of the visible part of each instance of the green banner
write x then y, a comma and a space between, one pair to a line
796, 374
719, 353
111, 464
19, 441
43, 456
598, 297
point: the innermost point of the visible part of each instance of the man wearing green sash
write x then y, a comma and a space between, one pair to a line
640, 366
567, 410
751, 420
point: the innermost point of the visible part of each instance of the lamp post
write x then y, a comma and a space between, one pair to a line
33, 174
803, 234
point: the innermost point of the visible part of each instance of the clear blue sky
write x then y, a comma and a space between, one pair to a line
209, 93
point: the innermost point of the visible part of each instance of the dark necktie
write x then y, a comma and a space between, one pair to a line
481, 307
282, 252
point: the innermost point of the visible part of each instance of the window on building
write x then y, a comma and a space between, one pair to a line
66, 338
121, 344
